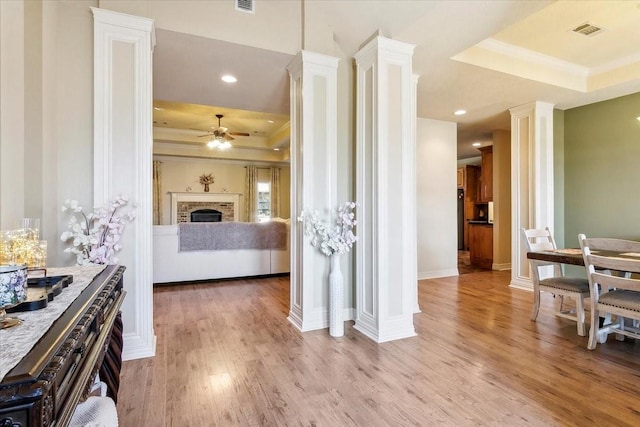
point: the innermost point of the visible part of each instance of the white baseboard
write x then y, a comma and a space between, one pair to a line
434, 274
521, 284
501, 267
135, 347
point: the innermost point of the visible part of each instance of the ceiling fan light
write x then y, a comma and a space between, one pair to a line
213, 143
225, 145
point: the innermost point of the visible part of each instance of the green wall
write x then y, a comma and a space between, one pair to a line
602, 170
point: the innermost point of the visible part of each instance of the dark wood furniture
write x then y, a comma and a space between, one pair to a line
44, 388
481, 245
486, 175
561, 256
468, 181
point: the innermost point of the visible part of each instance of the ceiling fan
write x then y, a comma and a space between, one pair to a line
220, 136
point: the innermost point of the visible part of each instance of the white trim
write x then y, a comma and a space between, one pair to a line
533, 57
521, 284
111, 28
435, 274
501, 267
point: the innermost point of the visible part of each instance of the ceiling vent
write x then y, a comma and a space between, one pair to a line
587, 29
245, 6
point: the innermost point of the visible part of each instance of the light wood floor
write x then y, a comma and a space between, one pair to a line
226, 355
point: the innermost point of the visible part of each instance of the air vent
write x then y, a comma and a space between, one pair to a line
587, 29
245, 6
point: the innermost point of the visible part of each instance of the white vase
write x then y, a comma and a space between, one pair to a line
336, 298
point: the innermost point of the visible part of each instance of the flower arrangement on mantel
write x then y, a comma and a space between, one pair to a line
333, 235
96, 235
206, 179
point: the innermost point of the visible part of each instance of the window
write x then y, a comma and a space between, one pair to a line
264, 201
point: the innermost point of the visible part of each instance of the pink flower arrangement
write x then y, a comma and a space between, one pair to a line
96, 235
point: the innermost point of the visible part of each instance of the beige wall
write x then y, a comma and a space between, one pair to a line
502, 199
181, 175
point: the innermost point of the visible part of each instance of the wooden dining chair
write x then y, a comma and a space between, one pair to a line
611, 293
560, 286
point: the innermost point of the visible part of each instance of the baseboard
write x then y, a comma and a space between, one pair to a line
501, 267
422, 275
521, 284
135, 347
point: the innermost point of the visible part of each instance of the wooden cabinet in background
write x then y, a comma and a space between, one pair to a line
485, 190
481, 245
460, 177
470, 186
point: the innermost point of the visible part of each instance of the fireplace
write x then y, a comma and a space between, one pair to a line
206, 215
182, 204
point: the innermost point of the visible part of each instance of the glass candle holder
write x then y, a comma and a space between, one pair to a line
31, 226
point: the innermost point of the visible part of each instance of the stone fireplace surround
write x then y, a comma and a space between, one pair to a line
183, 203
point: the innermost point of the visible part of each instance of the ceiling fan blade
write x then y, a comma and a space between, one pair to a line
239, 133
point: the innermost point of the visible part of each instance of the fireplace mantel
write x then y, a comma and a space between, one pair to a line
202, 197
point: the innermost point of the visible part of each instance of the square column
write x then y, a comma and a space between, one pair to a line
385, 188
123, 154
313, 89
531, 180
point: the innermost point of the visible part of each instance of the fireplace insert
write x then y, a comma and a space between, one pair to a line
206, 215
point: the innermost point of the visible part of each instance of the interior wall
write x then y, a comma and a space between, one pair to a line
602, 148
182, 175
436, 200
502, 199
558, 179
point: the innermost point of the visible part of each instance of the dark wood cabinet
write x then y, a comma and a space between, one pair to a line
485, 189
44, 388
469, 176
481, 245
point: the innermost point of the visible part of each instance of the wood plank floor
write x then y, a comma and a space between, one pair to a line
226, 355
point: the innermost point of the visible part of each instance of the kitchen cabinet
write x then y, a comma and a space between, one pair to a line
485, 189
481, 245
460, 177
470, 187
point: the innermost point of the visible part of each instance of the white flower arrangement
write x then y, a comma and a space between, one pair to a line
96, 235
328, 238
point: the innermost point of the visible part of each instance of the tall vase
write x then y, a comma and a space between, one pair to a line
336, 298
206, 188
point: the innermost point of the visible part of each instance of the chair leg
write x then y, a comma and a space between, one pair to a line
620, 337
595, 328
559, 302
580, 316
536, 304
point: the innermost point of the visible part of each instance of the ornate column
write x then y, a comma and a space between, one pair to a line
385, 187
313, 81
123, 148
531, 180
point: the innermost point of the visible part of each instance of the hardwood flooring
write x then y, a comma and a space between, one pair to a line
227, 356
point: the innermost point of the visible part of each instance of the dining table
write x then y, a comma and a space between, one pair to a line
573, 256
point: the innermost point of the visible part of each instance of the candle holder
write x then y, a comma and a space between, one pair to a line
13, 291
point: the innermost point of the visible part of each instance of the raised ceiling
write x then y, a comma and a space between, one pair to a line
482, 56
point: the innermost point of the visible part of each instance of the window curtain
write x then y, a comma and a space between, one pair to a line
251, 194
275, 192
157, 193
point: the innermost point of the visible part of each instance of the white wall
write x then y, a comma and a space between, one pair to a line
436, 198
182, 174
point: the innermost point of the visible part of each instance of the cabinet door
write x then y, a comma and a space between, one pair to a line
481, 245
460, 178
485, 189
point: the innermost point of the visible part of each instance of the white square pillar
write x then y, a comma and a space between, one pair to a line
313, 88
385, 188
123, 151
531, 180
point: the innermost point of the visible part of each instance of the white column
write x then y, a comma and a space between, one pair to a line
531, 180
12, 114
385, 187
123, 144
414, 211
313, 80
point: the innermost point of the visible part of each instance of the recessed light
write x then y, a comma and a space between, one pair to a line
460, 112
276, 149
638, 118
476, 144
158, 108
270, 121
228, 78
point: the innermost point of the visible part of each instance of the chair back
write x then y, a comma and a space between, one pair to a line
538, 239
607, 254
